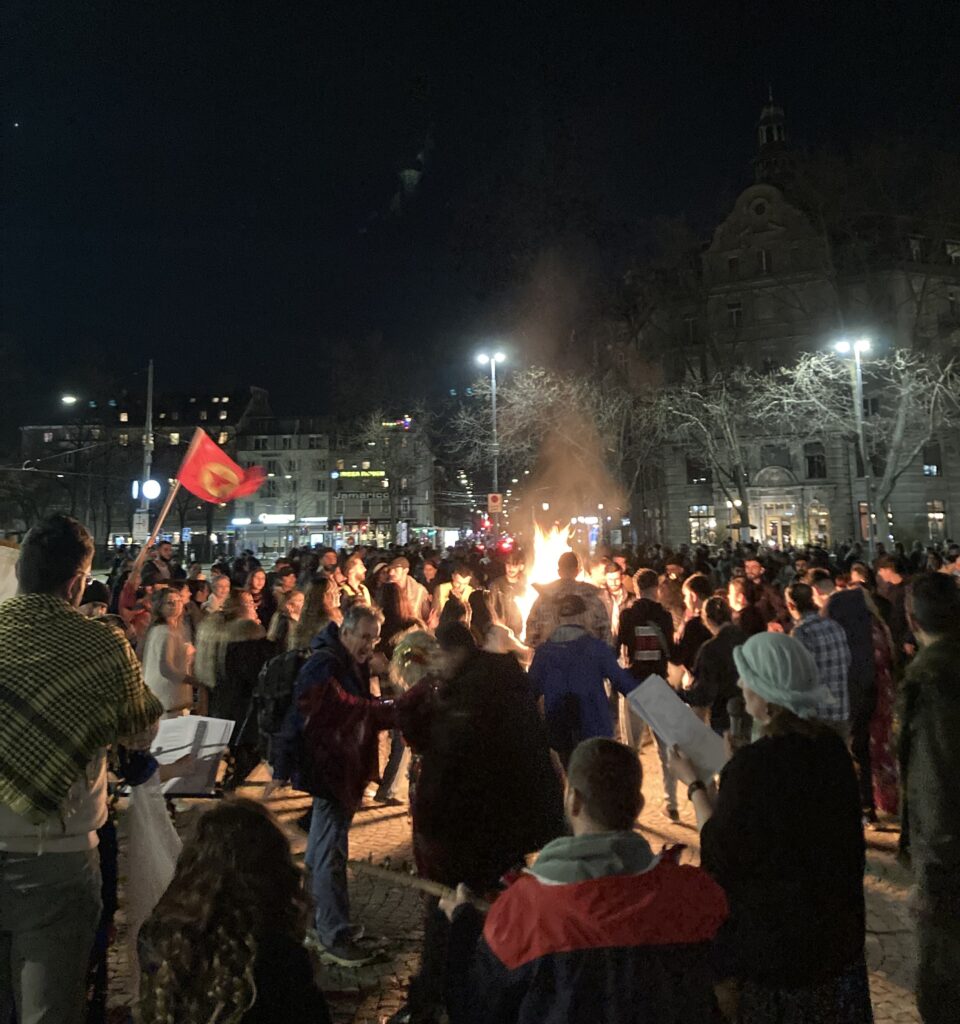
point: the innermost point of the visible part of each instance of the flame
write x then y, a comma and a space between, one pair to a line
548, 546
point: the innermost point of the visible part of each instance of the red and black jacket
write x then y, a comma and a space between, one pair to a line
623, 949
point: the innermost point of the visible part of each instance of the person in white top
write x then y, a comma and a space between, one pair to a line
167, 657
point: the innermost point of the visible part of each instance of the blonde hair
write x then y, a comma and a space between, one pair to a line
413, 658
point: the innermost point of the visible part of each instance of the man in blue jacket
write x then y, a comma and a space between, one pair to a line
568, 672
599, 930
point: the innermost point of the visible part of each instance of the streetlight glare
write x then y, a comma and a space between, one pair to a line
499, 356
843, 347
68, 399
483, 358
863, 344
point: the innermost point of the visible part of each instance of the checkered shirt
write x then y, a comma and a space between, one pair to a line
827, 642
68, 687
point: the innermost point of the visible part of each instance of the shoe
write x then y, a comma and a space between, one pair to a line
347, 954
391, 801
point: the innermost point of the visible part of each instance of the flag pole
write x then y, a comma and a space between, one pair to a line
144, 551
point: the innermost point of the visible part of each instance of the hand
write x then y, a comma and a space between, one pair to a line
681, 766
449, 904
379, 666
273, 786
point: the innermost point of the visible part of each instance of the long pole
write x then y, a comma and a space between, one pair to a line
147, 438
861, 441
141, 557
496, 443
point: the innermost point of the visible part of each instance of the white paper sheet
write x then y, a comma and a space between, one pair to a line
676, 723
205, 739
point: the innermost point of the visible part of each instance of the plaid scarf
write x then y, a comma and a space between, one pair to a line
68, 686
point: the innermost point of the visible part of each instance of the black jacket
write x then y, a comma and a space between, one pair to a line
715, 676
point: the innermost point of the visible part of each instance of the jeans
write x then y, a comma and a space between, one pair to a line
395, 780
326, 859
49, 910
669, 779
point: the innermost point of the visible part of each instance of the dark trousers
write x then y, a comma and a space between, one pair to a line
938, 970
861, 714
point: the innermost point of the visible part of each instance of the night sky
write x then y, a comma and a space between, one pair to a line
215, 184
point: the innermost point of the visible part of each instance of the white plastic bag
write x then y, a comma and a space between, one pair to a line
152, 849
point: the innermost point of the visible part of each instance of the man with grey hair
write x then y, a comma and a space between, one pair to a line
326, 749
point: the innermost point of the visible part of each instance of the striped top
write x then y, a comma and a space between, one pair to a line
68, 686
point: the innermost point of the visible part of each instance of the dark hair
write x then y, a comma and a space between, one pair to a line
516, 557
568, 563
249, 580
699, 584
817, 576
646, 579
461, 569
783, 722
454, 636
607, 776
801, 594
933, 603
236, 880
747, 588
890, 562
862, 570
51, 554
716, 610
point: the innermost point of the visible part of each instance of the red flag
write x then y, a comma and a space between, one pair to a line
212, 475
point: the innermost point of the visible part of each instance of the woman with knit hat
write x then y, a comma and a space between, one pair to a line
784, 836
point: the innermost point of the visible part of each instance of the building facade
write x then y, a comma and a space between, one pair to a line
777, 280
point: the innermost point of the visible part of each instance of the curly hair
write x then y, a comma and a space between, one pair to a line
235, 882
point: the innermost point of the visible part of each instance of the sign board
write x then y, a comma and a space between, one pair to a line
494, 503
141, 526
185, 534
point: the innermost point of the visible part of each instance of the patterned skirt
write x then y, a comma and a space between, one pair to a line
844, 999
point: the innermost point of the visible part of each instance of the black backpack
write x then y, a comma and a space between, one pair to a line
273, 695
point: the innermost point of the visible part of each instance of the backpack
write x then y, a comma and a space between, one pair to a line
273, 695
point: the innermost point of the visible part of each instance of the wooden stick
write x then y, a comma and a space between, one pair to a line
402, 879
142, 556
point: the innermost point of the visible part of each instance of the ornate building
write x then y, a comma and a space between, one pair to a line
784, 274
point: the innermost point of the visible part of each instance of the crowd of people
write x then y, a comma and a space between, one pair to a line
832, 679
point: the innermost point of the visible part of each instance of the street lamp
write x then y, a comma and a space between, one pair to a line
845, 347
68, 399
483, 358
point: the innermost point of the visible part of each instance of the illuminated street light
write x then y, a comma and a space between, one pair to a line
68, 399
844, 347
483, 358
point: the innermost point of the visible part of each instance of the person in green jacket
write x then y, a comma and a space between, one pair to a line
929, 759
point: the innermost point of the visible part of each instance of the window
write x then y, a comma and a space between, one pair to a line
273, 466
338, 507
776, 455
698, 472
365, 507
691, 330
174, 437
124, 417
341, 465
175, 415
250, 507
953, 252
223, 414
270, 489
214, 399
259, 444
733, 268
816, 459
703, 524
864, 517
916, 249
365, 464
734, 314
321, 484
871, 407
223, 437
123, 440
315, 441
47, 436
286, 442
321, 508
203, 414
936, 516
931, 460
404, 506
953, 300
163, 416
764, 261
225, 399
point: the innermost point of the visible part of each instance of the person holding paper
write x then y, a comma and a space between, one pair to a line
784, 838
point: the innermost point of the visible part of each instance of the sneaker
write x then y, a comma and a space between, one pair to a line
347, 954
390, 801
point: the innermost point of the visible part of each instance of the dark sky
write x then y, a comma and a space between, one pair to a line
210, 183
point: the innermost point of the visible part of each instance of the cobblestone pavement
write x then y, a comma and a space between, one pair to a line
369, 995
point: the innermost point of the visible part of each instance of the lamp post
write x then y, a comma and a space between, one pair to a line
844, 347
483, 358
